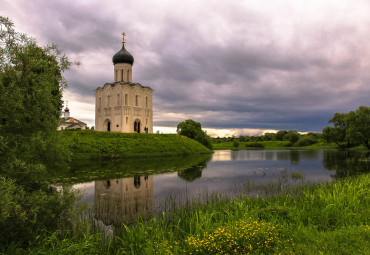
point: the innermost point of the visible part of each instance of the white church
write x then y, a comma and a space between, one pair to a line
124, 106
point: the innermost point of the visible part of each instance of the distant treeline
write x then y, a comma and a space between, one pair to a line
292, 137
350, 130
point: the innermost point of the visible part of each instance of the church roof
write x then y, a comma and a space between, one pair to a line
113, 84
123, 56
71, 120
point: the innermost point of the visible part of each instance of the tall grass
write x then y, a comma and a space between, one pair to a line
328, 219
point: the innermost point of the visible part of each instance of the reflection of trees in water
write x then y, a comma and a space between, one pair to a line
294, 156
269, 155
194, 172
346, 163
90, 170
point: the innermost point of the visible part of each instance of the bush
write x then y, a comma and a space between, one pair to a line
288, 144
24, 214
236, 143
306, 141
255, 145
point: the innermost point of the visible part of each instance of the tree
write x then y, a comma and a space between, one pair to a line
335, 135
193, 130
292, 136
359, 126
236, 143
31, 86
349, 128
269, 137
280, 135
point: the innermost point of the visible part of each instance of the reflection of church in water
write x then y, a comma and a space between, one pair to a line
123, 200
124, 106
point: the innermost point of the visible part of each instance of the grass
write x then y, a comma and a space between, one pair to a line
326, 219
271, 145
89, 144
298, 175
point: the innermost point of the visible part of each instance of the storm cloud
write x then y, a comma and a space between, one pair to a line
267, 65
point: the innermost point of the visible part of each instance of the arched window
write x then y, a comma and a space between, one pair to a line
146, 101
137, 181
108, 100
99, 102
126, 99
122, 75
118, 99
128, 75
137, 100
116, 75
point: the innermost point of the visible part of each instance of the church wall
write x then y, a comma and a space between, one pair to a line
111, 106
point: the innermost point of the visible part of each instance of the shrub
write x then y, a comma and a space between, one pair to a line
24, 214
306, 141
288, 144
236, 143
255, 145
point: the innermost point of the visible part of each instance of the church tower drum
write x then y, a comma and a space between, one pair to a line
124, 106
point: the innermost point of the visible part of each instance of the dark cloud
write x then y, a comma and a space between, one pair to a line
228, 65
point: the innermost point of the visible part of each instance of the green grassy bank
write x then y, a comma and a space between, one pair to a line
271, 145
92, 144
326, 219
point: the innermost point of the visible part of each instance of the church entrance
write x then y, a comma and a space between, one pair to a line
137, 126
107, 125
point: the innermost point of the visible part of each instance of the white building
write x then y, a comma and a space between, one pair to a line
68, 122
124, 106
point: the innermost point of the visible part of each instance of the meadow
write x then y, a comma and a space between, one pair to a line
89, 144
325, 219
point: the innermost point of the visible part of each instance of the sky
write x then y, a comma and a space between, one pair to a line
237, 67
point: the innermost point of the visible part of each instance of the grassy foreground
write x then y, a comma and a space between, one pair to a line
326, 219
92, 144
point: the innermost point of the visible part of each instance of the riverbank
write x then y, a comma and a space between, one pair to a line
271, 145
327, 219
88, 144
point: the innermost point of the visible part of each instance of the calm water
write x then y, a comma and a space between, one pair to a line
121, 190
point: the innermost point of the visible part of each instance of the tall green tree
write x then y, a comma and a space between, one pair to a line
291, 136
31, 86
359, 126
193, 130
280, 135
349, 128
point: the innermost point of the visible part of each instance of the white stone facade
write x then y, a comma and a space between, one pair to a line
124, 106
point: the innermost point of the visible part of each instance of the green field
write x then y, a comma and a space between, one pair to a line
92, 144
